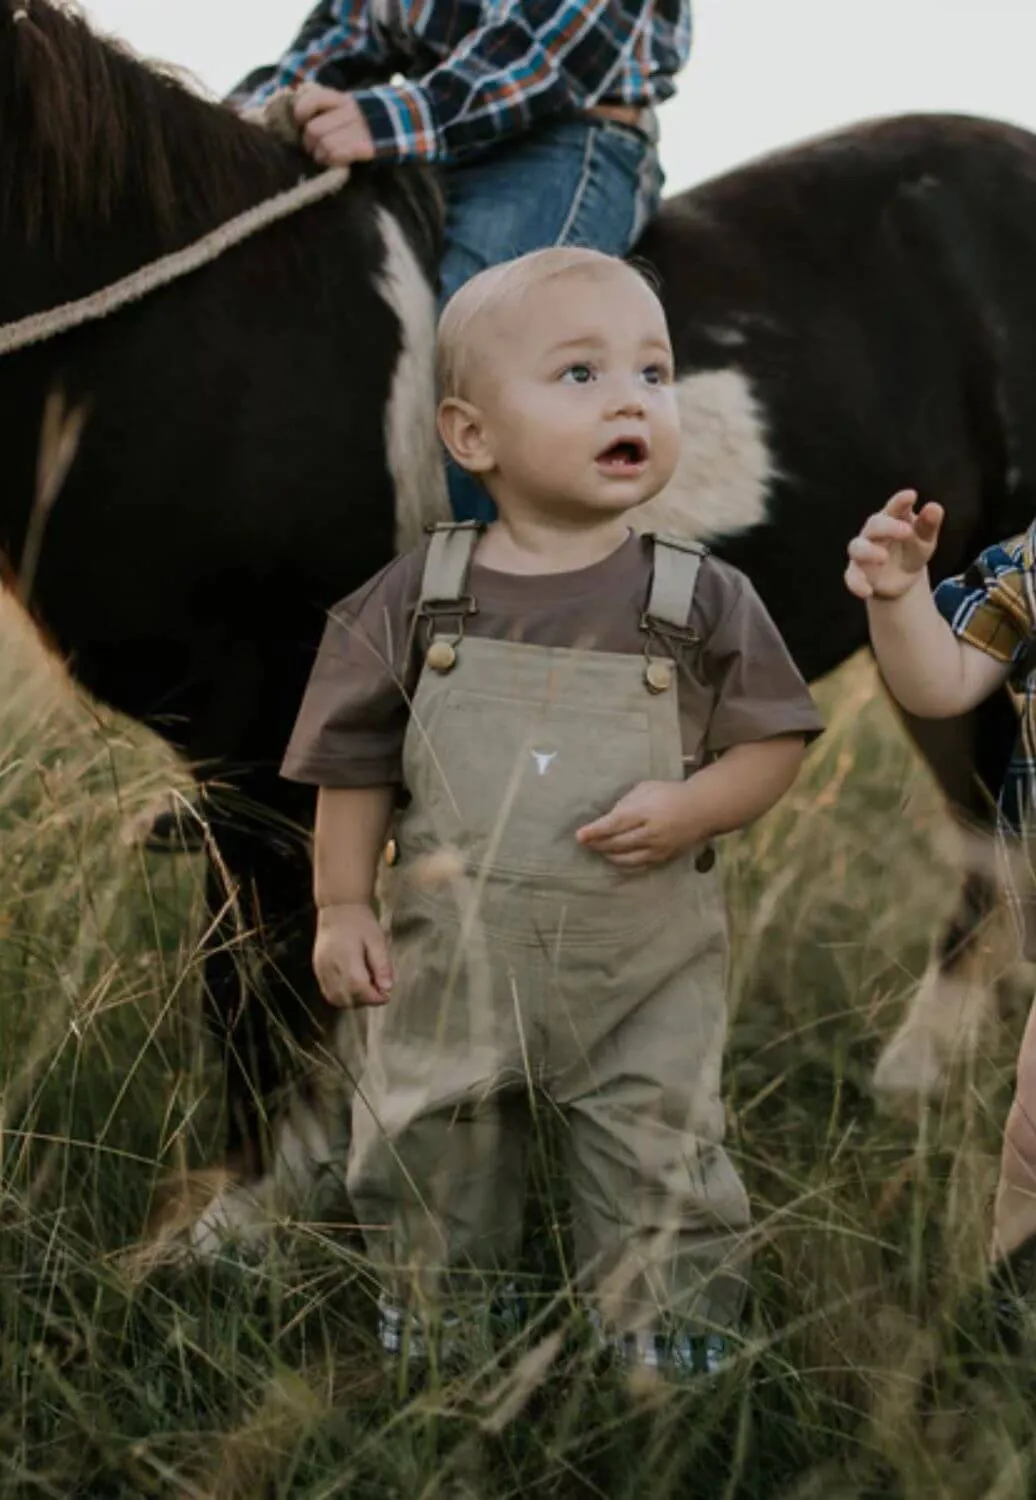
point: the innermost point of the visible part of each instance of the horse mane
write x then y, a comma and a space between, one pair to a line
86, 126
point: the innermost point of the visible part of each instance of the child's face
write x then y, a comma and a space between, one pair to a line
576, 398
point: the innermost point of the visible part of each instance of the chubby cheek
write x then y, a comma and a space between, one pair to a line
549, 445
665, 442
532, 458
555, 466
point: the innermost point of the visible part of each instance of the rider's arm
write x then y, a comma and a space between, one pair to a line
534, 60
337, 45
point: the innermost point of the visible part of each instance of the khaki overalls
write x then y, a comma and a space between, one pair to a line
533, 975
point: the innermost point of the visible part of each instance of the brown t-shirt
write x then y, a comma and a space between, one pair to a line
738, 685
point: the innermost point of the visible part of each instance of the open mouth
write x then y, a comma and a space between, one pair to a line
626, 455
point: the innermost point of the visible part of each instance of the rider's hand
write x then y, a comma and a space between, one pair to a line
334, 129
892, 551
350, 957
648, 826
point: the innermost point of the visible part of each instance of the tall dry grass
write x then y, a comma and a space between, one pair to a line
864, 1371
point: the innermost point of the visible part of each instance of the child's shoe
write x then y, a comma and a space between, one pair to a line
677, 1353
449, 1338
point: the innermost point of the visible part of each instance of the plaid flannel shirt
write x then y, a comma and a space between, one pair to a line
479, 71
992, 606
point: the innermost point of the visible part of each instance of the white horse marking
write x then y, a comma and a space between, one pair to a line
728, 338
246, 1213
725, 471
412, 442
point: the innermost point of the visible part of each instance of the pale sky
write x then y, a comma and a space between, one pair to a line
763, 72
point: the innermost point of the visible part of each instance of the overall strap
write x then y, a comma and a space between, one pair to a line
673, 581
445, 577
674, 578
445, 600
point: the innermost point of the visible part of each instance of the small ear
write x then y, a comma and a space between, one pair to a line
462, 429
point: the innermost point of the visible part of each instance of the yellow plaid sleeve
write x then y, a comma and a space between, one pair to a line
990, 605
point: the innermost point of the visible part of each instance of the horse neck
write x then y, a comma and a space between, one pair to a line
106, 164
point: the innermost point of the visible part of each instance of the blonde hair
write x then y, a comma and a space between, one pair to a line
473, 303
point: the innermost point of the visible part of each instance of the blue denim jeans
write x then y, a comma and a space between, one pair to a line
578, 182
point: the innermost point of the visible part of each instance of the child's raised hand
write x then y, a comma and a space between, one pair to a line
350, 957
893, 548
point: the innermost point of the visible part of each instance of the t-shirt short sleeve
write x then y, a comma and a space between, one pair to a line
760, 692
987, 606
352, 721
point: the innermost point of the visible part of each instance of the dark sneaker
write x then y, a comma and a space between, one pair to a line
471, 1338
679, 1353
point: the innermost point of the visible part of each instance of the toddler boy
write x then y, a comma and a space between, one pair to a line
553, 717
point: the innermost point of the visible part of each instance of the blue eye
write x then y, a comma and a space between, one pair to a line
657, 375
580, 374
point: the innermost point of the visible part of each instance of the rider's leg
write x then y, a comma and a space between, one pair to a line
578, 182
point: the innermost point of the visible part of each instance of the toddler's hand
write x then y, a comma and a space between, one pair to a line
892, 550
350, 957
648, 826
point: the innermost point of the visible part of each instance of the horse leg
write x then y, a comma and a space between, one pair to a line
968, 757
285, 1064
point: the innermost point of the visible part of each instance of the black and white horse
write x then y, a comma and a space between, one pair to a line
849, 317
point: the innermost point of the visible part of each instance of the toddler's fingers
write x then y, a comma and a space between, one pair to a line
620, 843
883, 528
361, 986
634, 859
929, 522
616, 821
380, 965
863, 551
329, 992
334, 986
902, 504
856, 582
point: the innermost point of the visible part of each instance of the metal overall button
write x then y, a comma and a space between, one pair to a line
441, 656
659, 676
